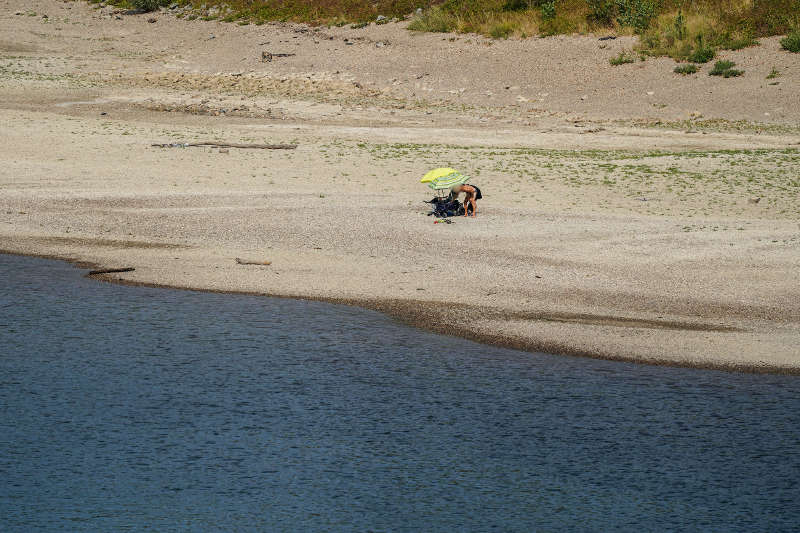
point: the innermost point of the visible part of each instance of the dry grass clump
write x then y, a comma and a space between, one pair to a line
505, 18
434, 20
668, 27
693, 36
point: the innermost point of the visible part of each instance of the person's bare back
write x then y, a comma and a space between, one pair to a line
471, 194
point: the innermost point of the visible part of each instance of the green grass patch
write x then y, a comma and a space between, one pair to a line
732, 73
686, 69
792, 42
720, 67
702, 53
725, 69
626, 56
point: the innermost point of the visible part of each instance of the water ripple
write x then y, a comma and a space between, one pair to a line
132, 408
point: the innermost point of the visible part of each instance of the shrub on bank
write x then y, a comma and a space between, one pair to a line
666, 27
702, 53
792, 42
693, 37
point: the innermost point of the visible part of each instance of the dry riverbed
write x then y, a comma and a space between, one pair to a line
611, 227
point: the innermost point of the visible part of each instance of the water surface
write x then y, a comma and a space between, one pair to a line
127, 408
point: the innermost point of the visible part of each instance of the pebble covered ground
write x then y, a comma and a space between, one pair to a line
610, 227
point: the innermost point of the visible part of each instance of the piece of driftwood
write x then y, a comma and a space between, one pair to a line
246, 262
267, 56
228, 145
110, 270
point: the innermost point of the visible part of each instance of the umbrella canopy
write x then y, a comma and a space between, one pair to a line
443, 178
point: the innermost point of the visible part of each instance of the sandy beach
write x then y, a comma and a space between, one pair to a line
629, 212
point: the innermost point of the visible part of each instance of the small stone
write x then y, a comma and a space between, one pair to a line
650, 93
584, 97
223, 150
380, 18
754, 200
152, 20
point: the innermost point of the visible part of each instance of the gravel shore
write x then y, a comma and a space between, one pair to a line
660, 228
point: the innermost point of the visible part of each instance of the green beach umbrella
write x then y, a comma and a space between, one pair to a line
443, 178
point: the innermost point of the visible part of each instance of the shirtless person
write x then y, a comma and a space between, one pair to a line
472, 193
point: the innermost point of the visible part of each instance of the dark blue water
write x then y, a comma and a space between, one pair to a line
146, 409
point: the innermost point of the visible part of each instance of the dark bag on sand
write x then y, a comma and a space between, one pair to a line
478, 194
445, 207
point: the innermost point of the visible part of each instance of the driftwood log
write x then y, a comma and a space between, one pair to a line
246, 262
229, 145
110, 270
267, 56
